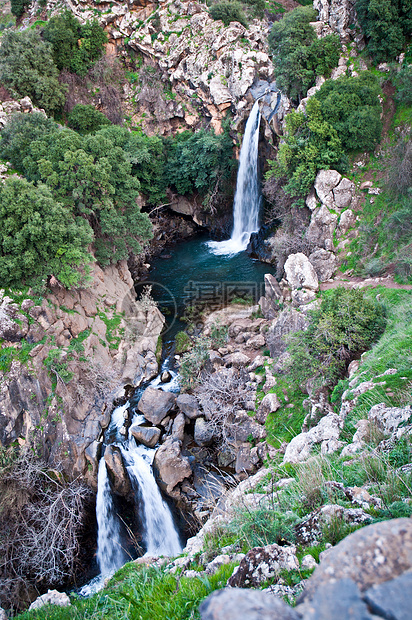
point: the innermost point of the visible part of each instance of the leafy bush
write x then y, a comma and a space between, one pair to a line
228, 11
385, 24
19, 6
298, 56
344, 326
311, 144
351, 105
85, 118
39, 237
20, 131
403, 83
75, 46
27, 68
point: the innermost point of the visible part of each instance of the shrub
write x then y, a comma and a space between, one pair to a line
39, 237
344, 326
183, 343
228, 11
27, 68
351, 105
385, 24
75, 46
298, 56
85, 118
403, 83
19, 6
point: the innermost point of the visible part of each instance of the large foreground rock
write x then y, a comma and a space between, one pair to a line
147, 435
171, 466
372, 555
236, 603
300, 272
156, 404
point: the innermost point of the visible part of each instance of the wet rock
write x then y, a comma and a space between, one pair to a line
166, 376
391, 599
300, 273
117, 471
269, 404
370, 556
263, 563
203, 434
147, 435
156, 404
188, 405
235, 603
52, 597
171, 466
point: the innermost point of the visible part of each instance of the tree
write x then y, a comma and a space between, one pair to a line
39, 237
18, 7
298, 56
385, 24
340, 330
28, 69
228, 11
85, 118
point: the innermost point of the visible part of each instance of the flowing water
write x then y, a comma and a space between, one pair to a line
246, 205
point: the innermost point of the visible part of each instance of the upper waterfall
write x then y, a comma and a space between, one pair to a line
247, 197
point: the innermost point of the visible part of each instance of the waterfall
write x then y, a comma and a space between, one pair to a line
159, 532
247, 197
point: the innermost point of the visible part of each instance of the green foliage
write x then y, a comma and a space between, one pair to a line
57, 366
19, 6
27, 68
311, 143
200, 161
20, 131
146, 154
75, 46
352, 107
85, 118
298, 56
183, 342
39, 237
385, 24
403, 83
344, 326
263, 526
193, 363
228, 11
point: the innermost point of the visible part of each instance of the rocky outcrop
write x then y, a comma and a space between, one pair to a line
170, 465
156, 404
82, 345
263, 563
52, 597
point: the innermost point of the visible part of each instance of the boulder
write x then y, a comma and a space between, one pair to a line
263, 563
178, 428
346, 221
269, 404
370, 556
117, 471
391, 599
298, 449
156, 404
288, 321
147, 435
203, 434
52, 597
324, 263
303, 297
325, 183
388, 419
321, 228
300, 273
343, 193
308, 561
235, 603
188, 405
340, 599
170, 465
326, 431
238, 360
245, 428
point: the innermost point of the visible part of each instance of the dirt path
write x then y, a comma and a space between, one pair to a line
386, 281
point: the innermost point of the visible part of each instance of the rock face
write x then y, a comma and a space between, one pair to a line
171, 466
156, 404
66, 389
235, 603
288, 321
262, 563
117, 471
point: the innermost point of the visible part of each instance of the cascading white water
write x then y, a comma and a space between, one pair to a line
160, 535
247, 197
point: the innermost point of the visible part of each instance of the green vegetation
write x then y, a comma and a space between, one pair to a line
344, 326
75, 46
403, 83
298, 56
18, 7
27, 69
386, 25
39, 237
228, 11
85, 119
183, 343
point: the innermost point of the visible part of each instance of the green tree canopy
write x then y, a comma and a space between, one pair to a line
228, 11
298, 56
18, 134
85, 118
27, 69
40, 237
385, 24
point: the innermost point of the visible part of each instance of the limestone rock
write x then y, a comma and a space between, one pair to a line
370, 556
238, 360
269, 404
340, 599
300, 273
346, 221
327, 430
147, 435
263, 563
321, 228
391, 599
339, 15
178, 428
343, 193
171, 466
308, 561
52, 597
156, 404
324, 264
303, 297
203, 434
235, 603
117, 471
2, 614
188, 405
325, 183
388, 419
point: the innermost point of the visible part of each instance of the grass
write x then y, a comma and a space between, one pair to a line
140, 593
287, 421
